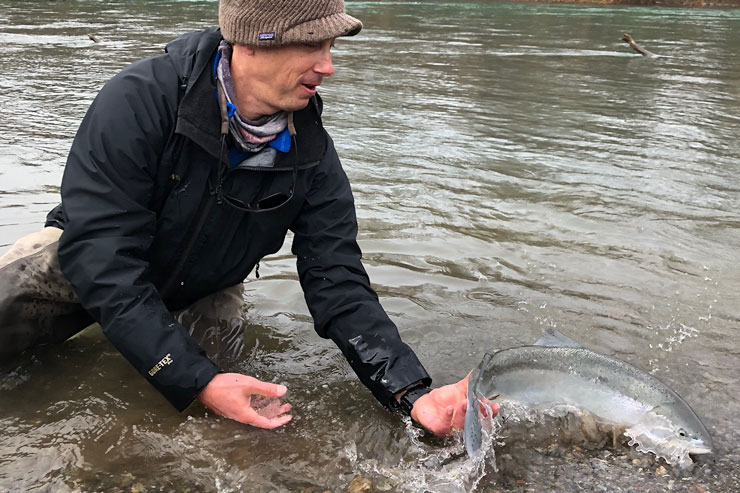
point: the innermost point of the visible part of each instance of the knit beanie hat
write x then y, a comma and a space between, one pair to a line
282, 22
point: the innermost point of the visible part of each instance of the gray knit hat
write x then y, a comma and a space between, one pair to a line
282, 22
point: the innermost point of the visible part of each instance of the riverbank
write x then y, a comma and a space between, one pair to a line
652, 3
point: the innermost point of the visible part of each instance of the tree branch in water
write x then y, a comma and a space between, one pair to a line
639, 49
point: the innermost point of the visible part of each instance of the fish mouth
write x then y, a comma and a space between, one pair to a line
700, 446
699, 449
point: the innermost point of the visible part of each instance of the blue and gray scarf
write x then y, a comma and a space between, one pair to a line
249, 135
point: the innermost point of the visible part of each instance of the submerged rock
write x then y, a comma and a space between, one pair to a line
359, 484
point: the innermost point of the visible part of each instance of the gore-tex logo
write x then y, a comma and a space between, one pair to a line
166, 361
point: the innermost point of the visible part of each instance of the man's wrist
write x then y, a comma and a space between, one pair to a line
404, 400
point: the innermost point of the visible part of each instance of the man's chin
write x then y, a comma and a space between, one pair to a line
296, 105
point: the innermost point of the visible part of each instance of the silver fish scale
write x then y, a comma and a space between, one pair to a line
585, 363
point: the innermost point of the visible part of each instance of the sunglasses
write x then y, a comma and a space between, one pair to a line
260, 161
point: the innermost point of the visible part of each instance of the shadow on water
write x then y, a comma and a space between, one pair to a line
514, 166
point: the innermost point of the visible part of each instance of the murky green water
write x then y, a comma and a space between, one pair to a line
514, 166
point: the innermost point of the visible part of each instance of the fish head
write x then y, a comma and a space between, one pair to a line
695, 443
681, 427
688, 428
673, 439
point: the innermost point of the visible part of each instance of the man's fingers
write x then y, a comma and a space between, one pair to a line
458, 416
266, 389
254, 419
485, 405
494, 409
247, 400
272, 409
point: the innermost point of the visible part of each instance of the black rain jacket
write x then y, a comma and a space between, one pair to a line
144, 233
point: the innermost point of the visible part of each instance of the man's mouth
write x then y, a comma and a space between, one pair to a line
310, 87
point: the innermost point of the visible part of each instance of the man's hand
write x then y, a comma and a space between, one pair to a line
247, 400
442, 410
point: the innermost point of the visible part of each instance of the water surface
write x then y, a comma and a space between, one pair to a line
515, 166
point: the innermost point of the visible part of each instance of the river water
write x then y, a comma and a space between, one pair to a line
515, 166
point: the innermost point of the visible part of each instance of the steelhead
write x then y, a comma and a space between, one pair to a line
558, 372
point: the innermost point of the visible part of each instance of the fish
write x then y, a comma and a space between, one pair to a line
558, 372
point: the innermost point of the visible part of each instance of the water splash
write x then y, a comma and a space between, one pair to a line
430, 467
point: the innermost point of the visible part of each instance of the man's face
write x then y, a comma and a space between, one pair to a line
268, 80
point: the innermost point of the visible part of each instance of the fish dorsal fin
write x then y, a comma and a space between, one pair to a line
553, 338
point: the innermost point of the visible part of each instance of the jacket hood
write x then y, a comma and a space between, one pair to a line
191, 53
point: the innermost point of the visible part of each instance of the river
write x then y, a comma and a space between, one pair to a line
515, 167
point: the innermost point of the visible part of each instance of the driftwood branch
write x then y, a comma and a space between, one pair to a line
639, 49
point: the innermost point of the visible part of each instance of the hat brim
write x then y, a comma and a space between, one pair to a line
329, 27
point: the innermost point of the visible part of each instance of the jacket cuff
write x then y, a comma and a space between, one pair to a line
55, 218
384, 369
408, 380
180, 378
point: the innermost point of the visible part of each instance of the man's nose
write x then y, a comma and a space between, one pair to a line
324, 66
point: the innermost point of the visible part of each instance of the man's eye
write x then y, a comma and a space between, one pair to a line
317, 46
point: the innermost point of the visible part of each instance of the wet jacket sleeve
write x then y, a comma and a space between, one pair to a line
337, 289
106, 189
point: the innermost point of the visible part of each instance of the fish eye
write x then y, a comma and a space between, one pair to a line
682, 432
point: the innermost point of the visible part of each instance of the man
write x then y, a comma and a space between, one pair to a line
190, 167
